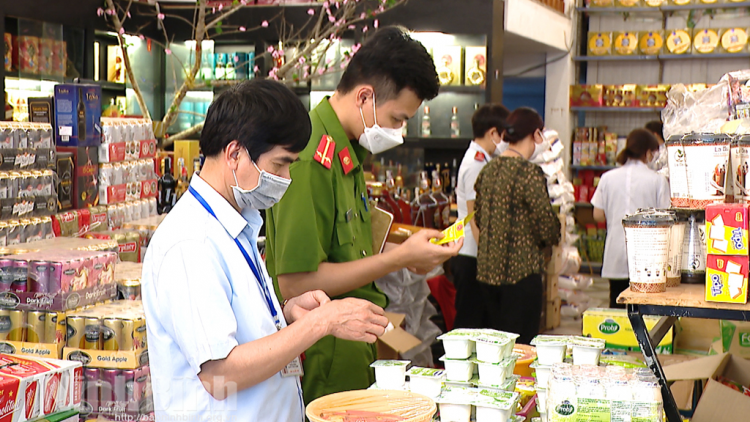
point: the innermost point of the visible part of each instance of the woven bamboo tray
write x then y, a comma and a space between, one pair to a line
372, 406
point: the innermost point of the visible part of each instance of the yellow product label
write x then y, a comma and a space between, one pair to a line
678, 42
628, 3
654, 3
600, 44
681, 2
454, 232
613, 326
725, 287
726, 240
706, 41
602, 3
651, 43
626, 43
709, 1
734, 40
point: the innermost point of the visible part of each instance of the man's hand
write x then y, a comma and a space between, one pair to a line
300, 306
421, 256
352, 319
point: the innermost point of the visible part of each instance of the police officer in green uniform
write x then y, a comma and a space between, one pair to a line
319, 237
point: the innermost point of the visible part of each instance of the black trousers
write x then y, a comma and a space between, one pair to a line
470, 311
617, 286
515, 308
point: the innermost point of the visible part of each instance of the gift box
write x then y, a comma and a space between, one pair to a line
726, 279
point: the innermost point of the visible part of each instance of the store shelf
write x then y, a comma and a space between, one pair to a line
661, 57
436, 143
112, 86
616, 109
665, 8
595, 168
616, 10
464, 89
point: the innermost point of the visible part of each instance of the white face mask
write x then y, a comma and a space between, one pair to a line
377, 139
540, 148
500, 147
270, 190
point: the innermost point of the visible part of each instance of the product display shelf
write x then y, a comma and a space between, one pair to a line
662, 57
665, 8
616, 109
686, 300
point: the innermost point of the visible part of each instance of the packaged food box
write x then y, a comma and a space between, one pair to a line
448, 64
587, 95
651, 43
78, 110
727, 229
620, 96
680, 2
601, 3
613, 326
475, 65
625, 43
600, 44
85, 179
679, 41
628, 3
734, 40
28, 54
705, 41
726, 279
32, 333
652, 95
654, 3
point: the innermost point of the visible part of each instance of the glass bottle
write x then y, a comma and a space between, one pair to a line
426, 128
403, 199
381, 198
389, 194
81, 118
455, 126
167, 187
443, 209
184, 181
423, 206
445, 179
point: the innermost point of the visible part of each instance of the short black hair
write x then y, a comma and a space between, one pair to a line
487, 117
656, 127
391, 60
260, 114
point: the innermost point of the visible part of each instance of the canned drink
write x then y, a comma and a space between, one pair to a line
129, 289
46, 229
22, 138
107, 391
20, 276
33, 138
136, 210
92, 334
152, 208
112, 217
36, 326
5, 324
14, 179
105, 175
117, 174
32, 231
128, 335
145, 209
128, 377
4, 185
139, 333
25, 185
54, 279
14, 233
48, 179
6, 275
50, 327
37, 180
26, 230
3, 234
38, 278
128, 212
17, 325
111, 334
76, 331
45, 138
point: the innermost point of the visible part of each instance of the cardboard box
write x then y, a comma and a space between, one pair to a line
620, 96
65, 176
652, 95
127, 192
188, 151
726, 279
78, 111
718, 403
396, 341
85, 180
448, 64
735, 338
727, 229
587, 95
697, 337
42, 110
8, 62
614, 327
476, 66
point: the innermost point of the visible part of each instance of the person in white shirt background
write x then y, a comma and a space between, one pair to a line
220, 344
660, 163
487, 123
623, 191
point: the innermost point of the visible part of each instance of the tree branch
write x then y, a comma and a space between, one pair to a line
184, 134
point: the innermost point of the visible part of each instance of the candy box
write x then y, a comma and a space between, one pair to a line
78, 110
727, 229
620, 95
726, 279
587, 95
652, 95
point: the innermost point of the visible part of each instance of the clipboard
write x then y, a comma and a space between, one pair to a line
381, 226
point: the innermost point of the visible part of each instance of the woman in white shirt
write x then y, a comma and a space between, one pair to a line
622, 191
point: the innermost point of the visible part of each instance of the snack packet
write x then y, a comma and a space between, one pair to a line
454, 232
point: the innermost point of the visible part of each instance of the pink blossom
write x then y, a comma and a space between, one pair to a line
121, 31
332, 19
381, 9
343, 65
160, 16
376, 24
110, 12
351, 26
141, 37
244, 2
356, 47
363, 15
321, 71
99, 12
329, 60
301, 60
337, 5
256, 69
310, 12
306, 75
167, 51
243, 29
213, 10
364, 29
128, 13
264, 24
270, 49
221, 6
326, 4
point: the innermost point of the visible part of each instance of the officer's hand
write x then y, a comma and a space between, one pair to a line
354, 319
300, 306
422, 256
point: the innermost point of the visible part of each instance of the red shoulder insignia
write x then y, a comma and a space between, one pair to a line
479, 156
346, 160
324, 153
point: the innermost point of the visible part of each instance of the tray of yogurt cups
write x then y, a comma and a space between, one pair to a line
553, 349
460, 404
490, 346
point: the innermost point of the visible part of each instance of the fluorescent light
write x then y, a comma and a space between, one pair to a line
96, 60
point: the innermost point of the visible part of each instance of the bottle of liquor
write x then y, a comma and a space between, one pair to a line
230, 72
167, 187
426, 128
196, 167
454, 177
403, 199
183, 182
389, 194
443, 209
81, 118
455, 127
423, 206
383, 200
445, 179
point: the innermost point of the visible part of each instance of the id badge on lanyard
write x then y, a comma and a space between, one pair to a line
294, 368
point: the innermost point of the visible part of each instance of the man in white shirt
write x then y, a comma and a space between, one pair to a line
221, 346
487, 123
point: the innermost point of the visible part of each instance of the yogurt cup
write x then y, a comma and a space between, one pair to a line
458, 370
458, 344
405, 387
493, 347
508, 385
390, 374
455, 404
495, 405
586, 351
495, 373
647, 237
541, 394
550, 349
426, 381
543, 373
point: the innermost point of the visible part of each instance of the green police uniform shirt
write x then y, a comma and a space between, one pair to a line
324, 217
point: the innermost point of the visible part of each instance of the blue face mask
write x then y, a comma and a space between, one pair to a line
270, 190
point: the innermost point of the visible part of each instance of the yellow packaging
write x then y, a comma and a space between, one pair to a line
626, 43
726, 279
709, 1
601, 3
628, 3
652, 43
654, 3
679, 41
600, 43
734, 40
454, 232
614, 327
187, 150
680, 2
705, 41
652, 95
475, 65
107, 359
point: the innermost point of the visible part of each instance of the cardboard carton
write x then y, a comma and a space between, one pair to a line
587, 95
396, 341
85, 177
718, 403
78, 112
698, 337
735, 338
614, 327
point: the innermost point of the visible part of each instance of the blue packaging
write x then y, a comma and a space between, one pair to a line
78, 112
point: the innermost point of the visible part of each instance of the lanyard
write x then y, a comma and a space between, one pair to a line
254, 268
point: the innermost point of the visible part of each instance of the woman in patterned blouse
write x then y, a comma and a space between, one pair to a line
516, 223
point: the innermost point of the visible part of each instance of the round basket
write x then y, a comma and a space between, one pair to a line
372, 405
